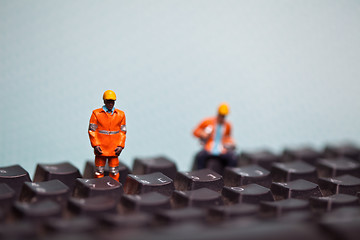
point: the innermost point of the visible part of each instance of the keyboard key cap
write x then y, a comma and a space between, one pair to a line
92, 206
7, 196
156, 164
305, 154
346, 150
204, 178
14, 176
65, 172
279, 208
71, 225
233, 211
252, 193
263, 158
175, 216
19, 230
338, 166
148, 202
300, 189
342, 223
134, 220
345, 184
286, 172
334, 201
105, 186
153, 182
202, 197
90, 169
37, 211
53, 190
246, 175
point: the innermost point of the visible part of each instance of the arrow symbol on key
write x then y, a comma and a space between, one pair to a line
212, 176
160, 180
109, 184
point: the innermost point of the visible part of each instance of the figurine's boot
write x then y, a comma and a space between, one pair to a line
114, 173
116, 176
99, 171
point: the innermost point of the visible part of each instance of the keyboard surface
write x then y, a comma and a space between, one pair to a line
299, 194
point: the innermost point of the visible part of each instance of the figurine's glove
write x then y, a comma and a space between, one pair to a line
98, 150
118, 150
229, 147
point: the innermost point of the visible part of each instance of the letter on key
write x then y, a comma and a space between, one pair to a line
153, 182
204, 178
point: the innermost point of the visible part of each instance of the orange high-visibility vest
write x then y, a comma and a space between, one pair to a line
107, 130
208, 125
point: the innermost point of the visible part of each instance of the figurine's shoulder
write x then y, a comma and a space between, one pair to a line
118, 111
97, 111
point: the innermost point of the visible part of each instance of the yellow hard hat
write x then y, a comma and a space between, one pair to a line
223, 109
109, 95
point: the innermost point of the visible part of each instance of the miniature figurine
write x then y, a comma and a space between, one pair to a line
107, 133
215, 136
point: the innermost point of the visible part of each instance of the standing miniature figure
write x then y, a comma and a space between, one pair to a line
107, 133
215, 136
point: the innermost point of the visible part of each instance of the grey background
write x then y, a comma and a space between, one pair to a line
289, 69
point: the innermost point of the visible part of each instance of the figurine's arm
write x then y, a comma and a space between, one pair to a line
228, 141
93, 125
202, 131
122, 133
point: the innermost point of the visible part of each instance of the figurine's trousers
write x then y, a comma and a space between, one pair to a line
229, 159
113, 163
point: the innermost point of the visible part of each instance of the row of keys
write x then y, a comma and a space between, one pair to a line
201, 188
331, 174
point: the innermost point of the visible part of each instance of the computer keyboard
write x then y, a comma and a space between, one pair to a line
299, 194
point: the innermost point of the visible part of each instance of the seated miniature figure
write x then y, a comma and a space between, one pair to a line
218, 146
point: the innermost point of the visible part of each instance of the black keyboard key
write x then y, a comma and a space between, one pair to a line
338, 166
14, 176
53, 190
334, 201
252, 193
72, 225
7, 197
345, 184
286, 172
202, 197
226, 212
90, 170
246, 175
204, 178
300, 189
93, 206
37, 211
346, 150
153, 182
342, 223
19, 230
105, 186
65, 172
156, 164
135, 220
281, 207
148, 202
306, 154
175, 216
262, 158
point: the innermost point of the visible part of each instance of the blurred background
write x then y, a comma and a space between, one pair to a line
290, 70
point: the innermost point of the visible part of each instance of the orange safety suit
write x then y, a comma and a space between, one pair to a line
208, 125
108, 131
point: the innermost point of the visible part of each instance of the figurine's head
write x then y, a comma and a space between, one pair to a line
223, 111
109, 99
